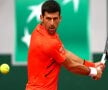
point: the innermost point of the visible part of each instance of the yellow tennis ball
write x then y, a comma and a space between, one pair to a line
4, 68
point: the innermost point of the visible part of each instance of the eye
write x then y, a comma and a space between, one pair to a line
48, 18
55, 18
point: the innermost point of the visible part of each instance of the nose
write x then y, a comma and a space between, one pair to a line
52, 21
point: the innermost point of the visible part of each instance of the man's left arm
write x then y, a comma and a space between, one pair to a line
86, 62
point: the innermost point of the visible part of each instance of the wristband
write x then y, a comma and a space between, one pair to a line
93, 71
88, 64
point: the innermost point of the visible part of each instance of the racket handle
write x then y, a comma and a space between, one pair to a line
103, 58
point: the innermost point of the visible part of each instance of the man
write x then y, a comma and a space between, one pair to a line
46, 53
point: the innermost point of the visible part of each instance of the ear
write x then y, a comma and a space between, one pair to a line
41, 18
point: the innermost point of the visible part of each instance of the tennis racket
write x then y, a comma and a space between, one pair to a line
105, 53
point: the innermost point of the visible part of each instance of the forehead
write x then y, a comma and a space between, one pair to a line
55, 14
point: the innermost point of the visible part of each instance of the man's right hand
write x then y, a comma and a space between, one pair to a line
99, 74
100, 65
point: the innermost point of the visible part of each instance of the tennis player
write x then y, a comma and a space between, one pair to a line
46, 53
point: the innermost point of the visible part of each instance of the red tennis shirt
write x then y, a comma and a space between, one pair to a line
46, 53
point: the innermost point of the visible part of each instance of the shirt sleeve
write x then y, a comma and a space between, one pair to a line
58, 53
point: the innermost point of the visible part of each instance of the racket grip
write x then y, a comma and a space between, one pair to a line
103, 58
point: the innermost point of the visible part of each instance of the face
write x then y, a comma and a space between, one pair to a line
51, 21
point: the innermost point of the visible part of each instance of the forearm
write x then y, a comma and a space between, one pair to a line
79, 69
75, 58
75, 64
80, 60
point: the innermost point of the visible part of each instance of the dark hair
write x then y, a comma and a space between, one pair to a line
50, 6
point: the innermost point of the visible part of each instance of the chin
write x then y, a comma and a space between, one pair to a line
52, 33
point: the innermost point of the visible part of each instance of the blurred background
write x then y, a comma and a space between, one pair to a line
83, 31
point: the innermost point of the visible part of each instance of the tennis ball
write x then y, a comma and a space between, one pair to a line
4, 68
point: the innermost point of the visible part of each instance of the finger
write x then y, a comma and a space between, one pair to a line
101, 68
95, 78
